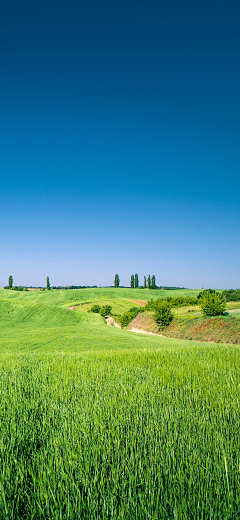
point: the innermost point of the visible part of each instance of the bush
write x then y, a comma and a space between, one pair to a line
180, 301
163, 314
212, 304
6, 287
151, 305
204, 292
95, 308
105, 310
127, 317
232, 295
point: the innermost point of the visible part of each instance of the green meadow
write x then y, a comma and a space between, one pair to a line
101, 423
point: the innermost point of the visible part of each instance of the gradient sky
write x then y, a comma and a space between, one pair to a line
119, 138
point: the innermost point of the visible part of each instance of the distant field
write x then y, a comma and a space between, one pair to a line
74, 296
119, 306
102, 423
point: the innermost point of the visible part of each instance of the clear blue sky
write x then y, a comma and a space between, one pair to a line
119, 132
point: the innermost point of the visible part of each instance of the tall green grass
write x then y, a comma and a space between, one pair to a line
99, 423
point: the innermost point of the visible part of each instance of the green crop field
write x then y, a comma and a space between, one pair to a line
76, 296
99, 423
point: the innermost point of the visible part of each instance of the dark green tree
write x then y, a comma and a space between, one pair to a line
149, 282
116, 281
163, 314
48, 284
105, 310
136, 281
145, 282
212, 304
153, 282
96, 308
10, 282
204, 292
132, 282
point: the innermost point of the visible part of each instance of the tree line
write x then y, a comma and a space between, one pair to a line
16, 288
149, 282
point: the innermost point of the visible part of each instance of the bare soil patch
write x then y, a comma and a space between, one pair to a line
141, 303
144, 322
111, 321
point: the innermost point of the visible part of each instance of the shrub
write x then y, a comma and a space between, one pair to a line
181, 301
127, 317
232, 295
151, 305
95, 308
212, 304
204, 292
105, 310
173, 302
163, 314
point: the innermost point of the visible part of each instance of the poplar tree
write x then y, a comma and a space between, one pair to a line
136, 280
116, 281
154, 282
144, 282
10, 282
48, 284
132, 282
149, 282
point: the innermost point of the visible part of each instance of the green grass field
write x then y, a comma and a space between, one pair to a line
102, 423
74, 297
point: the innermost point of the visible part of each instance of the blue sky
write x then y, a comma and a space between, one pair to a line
120, 142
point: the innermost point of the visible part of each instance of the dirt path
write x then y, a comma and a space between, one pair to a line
141, 331
111, 321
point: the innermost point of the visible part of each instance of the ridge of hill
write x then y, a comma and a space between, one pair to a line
74, 296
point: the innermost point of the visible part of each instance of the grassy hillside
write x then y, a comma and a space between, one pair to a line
218, 329
74, 296
15, 313
102, 423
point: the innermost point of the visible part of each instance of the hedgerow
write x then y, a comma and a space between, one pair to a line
181, 301
232, 295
